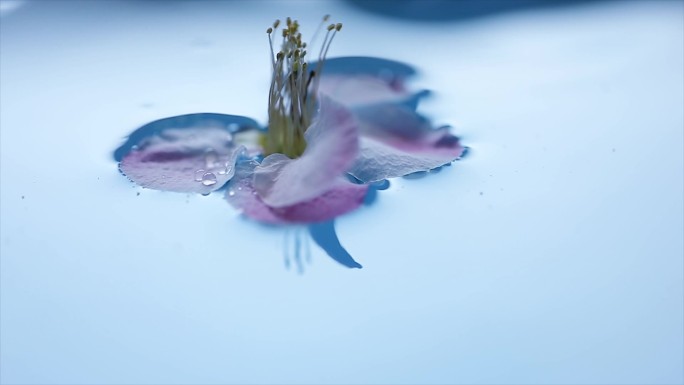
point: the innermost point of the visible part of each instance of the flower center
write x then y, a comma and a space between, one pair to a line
292, 97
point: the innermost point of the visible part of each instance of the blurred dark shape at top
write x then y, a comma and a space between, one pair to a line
445, 10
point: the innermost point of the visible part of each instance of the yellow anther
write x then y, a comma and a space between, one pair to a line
294, 87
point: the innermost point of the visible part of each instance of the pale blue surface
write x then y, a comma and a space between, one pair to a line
553, 254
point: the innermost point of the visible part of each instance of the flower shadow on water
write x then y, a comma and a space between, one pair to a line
325, 236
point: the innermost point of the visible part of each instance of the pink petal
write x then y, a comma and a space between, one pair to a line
341, 198
358, 81
359, 90
389, 70
189, 153
378, 161
332, 145
396, 141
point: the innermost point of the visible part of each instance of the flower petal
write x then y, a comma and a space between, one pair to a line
187, 153
332, 146
396, 141
365, 65
231, 123
340, 198
358, 81
355, 91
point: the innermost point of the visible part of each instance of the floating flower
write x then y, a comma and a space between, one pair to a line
335, 126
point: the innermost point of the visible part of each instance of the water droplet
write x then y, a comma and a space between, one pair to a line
135, 147
231, 192
199, 174
206, 194
225, 169
208, 179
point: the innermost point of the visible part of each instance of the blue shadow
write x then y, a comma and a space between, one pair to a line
325, 236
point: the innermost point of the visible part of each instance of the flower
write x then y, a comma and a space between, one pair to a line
335, 126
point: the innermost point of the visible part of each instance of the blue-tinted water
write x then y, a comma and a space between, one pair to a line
551, 254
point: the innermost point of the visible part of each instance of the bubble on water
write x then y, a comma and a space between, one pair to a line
209, 179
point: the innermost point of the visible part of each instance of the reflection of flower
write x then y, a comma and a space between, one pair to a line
334, 126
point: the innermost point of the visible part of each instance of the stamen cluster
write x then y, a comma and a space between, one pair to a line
292, 96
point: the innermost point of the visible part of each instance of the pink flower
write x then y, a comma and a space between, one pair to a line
335, 126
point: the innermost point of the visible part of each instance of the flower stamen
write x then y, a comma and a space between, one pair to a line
291, 99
